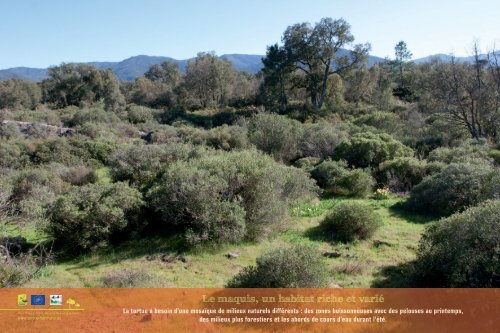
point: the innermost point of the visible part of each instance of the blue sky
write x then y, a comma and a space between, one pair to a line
39, 33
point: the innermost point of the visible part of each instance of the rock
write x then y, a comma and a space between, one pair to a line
231, 255
329, 254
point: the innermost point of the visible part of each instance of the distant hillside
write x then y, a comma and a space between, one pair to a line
447, 58
133, 67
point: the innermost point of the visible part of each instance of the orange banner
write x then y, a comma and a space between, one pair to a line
249, 310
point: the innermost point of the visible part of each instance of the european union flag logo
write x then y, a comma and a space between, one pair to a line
37, 299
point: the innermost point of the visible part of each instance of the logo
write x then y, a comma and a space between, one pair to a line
56, 300
37, 299
22, 299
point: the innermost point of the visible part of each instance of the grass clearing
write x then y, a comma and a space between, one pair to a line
374, 262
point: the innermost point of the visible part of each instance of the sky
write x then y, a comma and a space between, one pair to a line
40, 33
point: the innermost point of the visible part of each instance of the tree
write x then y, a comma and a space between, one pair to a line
82, 85
402, 55
208, 79
166, 72
466, 94
15, 94
317, 53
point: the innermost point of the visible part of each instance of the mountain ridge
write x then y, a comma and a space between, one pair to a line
135, 66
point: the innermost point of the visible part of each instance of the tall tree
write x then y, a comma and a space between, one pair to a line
208, 79
317, 53
80, 85
402, 55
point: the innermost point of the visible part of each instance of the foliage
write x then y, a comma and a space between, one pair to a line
18, 94
455, 188
82, 85
350, 220
320, 140
462, 250
469, 152
276, 135
295, 267
369, 150
141, 164
335, 178
228, 196
91, 215
307, 163
403, 173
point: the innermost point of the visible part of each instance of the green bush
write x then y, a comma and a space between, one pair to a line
455, 188
193, 200
351, 221
387, 122
355, 183
276, 135
320, 140
57, 150
335, 178
13, 155
402, 173
10, 131
227, 196
307, 163
141, 164
469, 152
91, 215
139, 114
295, 267
462, 250
93, 115
495, 155
223, 137
369, 150
33, 190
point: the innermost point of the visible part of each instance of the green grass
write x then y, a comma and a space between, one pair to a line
375, 262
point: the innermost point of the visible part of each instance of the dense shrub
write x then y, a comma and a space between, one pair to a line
402, 173
193, 200
9, 131
79, 175
469, 152
350, 221
276, 135
228, 196
455, 188
13, 155
335, 178
307, 163
369, 150
140, 164
33, 190
355, 183
295, 267
93, 115
89, 216
462, 250
320, 140
387, 122
56, 150
139, 114
223, 137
